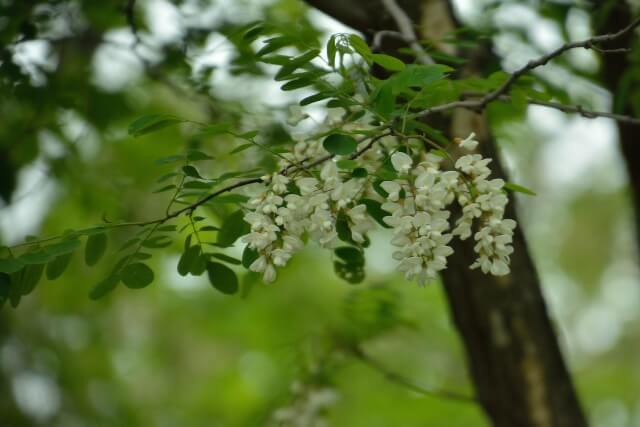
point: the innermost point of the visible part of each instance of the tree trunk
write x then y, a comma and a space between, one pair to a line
514, 358
616, 69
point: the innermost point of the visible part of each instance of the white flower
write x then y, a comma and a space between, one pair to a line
259, 265
474, 165
280, 257
393, 189
469, 143
418, 206
401, 162
279, 183
269, 274
329, 174
307, 185
360, 223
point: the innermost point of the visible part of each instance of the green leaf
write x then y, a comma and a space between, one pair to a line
104, 287
30, 277
384, 101
10, 265
188, 260
137, 275
377, 187
253, 32
519, 100
157, 242
295, 63
15, 291
347, 164
222, 278
349, 272
242, 147
350, 255
340, 144
151, 123
296, 84
315, 98
331, 52
56, 267
275, 43
215, 129
519, 189
191, 172
248, 256
5, 285
342, 228
232, 228
374, 209
417, 76
95, 248
64, 247
249, 134
275, 59
39, 256
388, 62
435, 134
227, 258
361, 47
359, 173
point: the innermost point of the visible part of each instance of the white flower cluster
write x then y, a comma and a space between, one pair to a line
278, 220
418, 202
484, 201
308, 408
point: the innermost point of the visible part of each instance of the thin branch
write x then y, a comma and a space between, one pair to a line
543, 60
380, 35
243, 183
406, 29
600, 50
396, 378
590, 114
476, 105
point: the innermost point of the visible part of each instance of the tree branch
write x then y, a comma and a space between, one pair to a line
406, 30
398, 379
590, 114
476, 104
243, 183
543, 60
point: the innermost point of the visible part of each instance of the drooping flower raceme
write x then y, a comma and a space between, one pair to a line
486, 207
420, 219
419, 203
416, 202
278, 221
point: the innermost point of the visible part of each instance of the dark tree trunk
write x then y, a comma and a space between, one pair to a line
513, 353
514, 358
615, 76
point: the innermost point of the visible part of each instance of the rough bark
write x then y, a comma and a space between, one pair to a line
614, 69
512, 350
